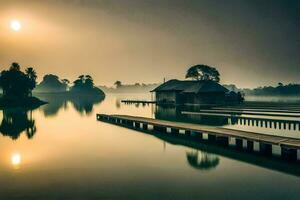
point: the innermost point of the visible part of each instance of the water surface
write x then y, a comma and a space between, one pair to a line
60, 151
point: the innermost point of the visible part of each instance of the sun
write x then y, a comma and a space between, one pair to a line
16, 159
15, 25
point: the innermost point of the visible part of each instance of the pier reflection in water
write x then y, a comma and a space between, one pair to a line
205, 153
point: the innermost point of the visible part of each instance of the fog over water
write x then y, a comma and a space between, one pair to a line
251, 42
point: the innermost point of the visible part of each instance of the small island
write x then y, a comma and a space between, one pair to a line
17, 88
82, 88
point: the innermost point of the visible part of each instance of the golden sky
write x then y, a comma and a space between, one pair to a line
144, 41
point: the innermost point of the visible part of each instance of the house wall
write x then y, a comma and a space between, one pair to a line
166, 97
173, 97
203, 98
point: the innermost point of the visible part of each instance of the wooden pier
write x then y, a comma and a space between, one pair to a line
283, 147
137, 102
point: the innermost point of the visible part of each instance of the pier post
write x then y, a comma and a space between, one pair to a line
276, 150
145, 126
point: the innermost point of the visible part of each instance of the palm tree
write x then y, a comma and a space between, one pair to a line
81, 77
31, 74
88, 77
65, 81
16, 83
118, 84
89, 82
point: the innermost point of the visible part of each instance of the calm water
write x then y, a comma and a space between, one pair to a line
60, 151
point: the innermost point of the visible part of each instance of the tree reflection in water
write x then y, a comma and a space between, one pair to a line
202, 160
17, 121
83, 104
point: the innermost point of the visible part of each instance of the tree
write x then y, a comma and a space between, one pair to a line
88, 82
78, 83
31, 74
15, 122
81, 77
65, 81
203, 72
118, 84
52, 83
15, 67
84, 82
16, 83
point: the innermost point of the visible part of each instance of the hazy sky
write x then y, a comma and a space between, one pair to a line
253, 42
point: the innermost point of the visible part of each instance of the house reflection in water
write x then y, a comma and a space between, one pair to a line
174, 113
202, 160
17, 121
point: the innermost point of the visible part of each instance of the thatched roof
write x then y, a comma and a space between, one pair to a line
190, 86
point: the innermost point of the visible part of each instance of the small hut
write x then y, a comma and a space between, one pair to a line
191, 92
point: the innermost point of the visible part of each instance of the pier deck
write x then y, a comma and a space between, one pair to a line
249, 140
138, 101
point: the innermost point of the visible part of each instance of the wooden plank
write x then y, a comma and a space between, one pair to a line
137, 101
269, 139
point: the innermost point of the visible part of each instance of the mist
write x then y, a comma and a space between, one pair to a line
252, 43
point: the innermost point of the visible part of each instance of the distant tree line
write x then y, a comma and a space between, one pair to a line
53, 84
120, 87
281, 89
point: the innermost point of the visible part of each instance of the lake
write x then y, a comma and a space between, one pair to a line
60, 151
